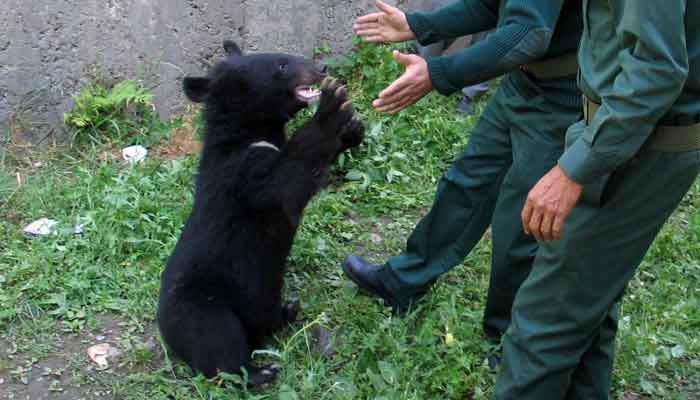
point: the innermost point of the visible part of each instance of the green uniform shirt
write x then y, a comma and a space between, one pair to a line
527, 30
640, 59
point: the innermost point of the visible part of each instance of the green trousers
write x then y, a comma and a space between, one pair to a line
560, 344
518, 138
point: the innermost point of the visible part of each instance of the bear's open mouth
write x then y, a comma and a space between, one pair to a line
307, 94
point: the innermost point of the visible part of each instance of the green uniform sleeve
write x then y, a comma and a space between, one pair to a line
523, 35
462, 17
653, 67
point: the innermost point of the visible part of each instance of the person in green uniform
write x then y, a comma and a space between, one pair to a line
626, 167
517, 139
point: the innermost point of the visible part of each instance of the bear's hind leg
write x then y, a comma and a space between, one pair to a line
223, 345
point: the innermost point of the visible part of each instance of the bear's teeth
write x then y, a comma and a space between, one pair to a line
307, 94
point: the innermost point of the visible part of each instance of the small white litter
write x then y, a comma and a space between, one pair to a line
41, 227
46, 226
99, 354
134, 154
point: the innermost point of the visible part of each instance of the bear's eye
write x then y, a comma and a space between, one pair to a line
283, 66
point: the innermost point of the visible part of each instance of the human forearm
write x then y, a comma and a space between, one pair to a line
462, 17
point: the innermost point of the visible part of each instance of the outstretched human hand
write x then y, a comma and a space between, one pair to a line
409, 88
387, 25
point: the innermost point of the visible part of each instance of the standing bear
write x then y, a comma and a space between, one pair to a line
221, 291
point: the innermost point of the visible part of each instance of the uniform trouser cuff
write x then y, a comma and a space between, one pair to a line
399, 290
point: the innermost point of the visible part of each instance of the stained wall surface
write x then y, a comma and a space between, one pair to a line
50, 48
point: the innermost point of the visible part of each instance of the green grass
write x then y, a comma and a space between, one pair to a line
57, 292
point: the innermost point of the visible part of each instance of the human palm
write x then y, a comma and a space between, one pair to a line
387, 25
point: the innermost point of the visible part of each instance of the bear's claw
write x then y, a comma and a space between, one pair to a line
337, 116
290, 310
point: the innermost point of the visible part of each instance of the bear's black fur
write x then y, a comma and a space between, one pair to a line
221, 292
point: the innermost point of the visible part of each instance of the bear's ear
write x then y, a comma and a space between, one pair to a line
231, 48
196, 89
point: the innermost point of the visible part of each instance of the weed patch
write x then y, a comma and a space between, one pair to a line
121, 113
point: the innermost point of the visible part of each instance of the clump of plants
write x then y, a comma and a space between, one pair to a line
123, 113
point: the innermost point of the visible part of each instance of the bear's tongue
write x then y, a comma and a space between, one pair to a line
307, 94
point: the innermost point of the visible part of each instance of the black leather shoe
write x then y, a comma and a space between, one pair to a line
465, 106
494, 359
366, 277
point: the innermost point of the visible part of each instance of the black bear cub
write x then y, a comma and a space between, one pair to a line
221, 291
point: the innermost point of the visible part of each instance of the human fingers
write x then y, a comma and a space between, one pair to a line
546, 226
388, 105
404, 59
395, 87
535, 223
368, 18
375, 39
368, 32
385, 7
525, 216
402, 104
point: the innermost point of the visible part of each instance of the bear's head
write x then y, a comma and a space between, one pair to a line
256, 87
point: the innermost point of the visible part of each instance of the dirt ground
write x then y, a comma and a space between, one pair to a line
66, 372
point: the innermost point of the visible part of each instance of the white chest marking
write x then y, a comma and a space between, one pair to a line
265, 144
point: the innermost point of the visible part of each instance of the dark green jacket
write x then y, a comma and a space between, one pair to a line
527, 30
641, 60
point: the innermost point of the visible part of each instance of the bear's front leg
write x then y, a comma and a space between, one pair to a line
266, 319
285, 313
294, 175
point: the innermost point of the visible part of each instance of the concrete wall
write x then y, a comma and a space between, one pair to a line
50, 48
